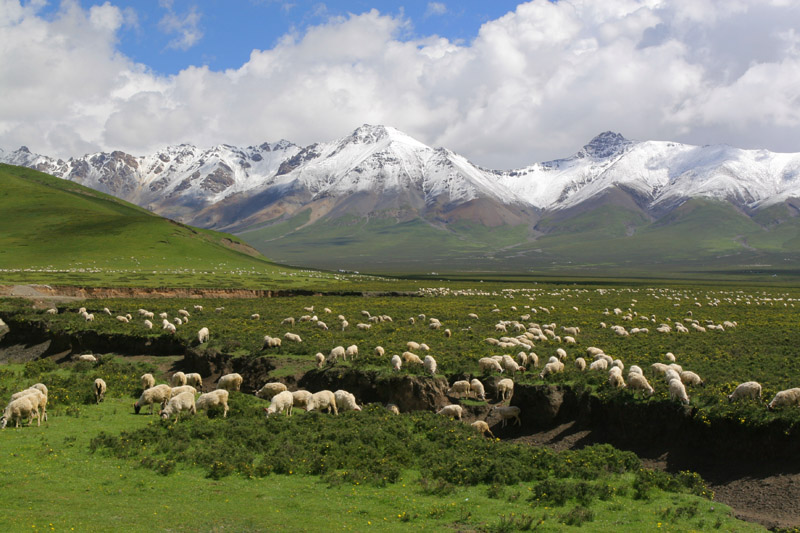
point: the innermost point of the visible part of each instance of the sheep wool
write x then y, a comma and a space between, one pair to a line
748, 389
148, 381
429, 363
178, 379
268, 391
785, 398
346, 401
281, 403
477, 387
230, 382
323, 399
17, 410
99, 389
452, 411
214, 398
156, 394
177, 404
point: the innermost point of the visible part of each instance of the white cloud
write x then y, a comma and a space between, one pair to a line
435, 8
534, 84
186, 26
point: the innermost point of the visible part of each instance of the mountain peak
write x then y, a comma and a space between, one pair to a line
606, 144
368, 134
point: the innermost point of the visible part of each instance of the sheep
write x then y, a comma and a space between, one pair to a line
379, 351
271, 342
52, 311
392, 408
553, 367
156, 394
569, 340
184, 312
483, 427
670, 357
268, 391
460, 387
511, 366
600, 364
429, 363
580, 363
678, 392
362, 326
87, 358
618, 364
397, 362
195, 380
670, 375
472, 316
289, 321
345, 323
294, 337
123, 319
230, 382
477, 387
18, 409
281, 403
637, 381
181, 389
659, 368
198, 307
178, 321
448, 333
345, 401
148, 324
424, 347
562, 354
89, 317
323, 399
533, 360
411, 320
320, 359
212, 399
785, 398
162, 316
411, 358
300, 398
507, 412
690, 378
38, 396
182, 402
202, 335
615, 378
255, 316
677, 368
505, 389
453, 411
487, 364
351, 352
170, 328
335, 354
177, 379
748, 389
413, 346
99, 389
147, 381
635, 369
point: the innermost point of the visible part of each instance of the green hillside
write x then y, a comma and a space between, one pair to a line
54, 225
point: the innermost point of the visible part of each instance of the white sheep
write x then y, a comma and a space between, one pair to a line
176, 404
323, 399
748, 389
615, 377
202, 335
429, 363
397, 362
281, 403
230, 382
600, 365
147, 381
413, 346
181, 389
580, 363
351, 352
659, 368
392, 408
424, 347
478, 389
362, 326
505, 389
170, 328
255, 316
156, 394
678, 392
411, 358
453, 411
637, 381
268, 391
379, 351
592, 351
123, 319
562, 354
460, 387
195, 380
19, 409
533, 360
690, 378
148, 324
288, 320
99, 389
320, 359
178, 379
212, 399
635, 369
483, 427
335, 354
271, 342
670, 375
487, 364
294, 337
38, 397
785, 398
87, 358
346, 401
507, 412
552, 367
184, 313
670, 357
300, 398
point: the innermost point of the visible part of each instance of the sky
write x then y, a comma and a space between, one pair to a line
505, 84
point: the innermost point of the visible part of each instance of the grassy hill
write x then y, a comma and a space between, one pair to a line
51, 226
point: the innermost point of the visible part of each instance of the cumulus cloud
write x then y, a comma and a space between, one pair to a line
532, 85
186, 26
435, 8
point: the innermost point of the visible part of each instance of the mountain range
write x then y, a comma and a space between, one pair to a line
379, 199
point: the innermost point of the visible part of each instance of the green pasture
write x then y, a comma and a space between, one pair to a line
93, 467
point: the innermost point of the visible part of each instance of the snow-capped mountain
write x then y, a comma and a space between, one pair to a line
380, 168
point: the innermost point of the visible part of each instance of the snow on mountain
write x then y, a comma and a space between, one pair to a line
382, 161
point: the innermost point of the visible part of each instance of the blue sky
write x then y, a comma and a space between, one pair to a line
505, 84
168, 36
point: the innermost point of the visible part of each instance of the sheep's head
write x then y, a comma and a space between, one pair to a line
3, 422
136, 407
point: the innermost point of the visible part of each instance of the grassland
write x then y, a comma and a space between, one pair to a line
96, 466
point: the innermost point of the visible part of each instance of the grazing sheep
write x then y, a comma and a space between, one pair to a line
533, 360
19, 409
271, 342
198, 307
292, 337
637, 381
785, 398
99, 389
87, 358
635, 369
677, 368
592, 351
89, 317
453, 411
411, 320
690, 378
212, 399
181, 389
177, 379
460, 387
289, 321
351, 352
320, 359
562, 354
345, 323
255, 316
552, 367
148, 324
345, 401
123, 319
323, 399
281, 403
670, 357
51, 311
178, 321
397, 362
184, 313
268, 391
148, 381
38, 397
202, 335
473, 316
670, 375
483, 427
478, 389
170, 328
411, 358
678, 392
580, 363
335, 354
413, 346
659, 368
379, 351
362, 326
157, 394
424, 347
429, 363
230, 382
176, 404
392, 408
487, 364
300, 398
600, 364
195, 380
615, 378
748, 389
507, 412
511, 366
505, 389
